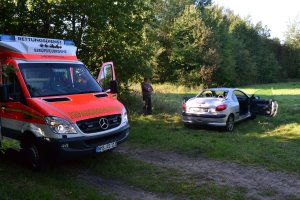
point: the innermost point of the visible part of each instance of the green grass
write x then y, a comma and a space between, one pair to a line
270, 142
18, 182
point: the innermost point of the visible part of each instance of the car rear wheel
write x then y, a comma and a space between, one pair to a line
253, 116
229, 123
188, 125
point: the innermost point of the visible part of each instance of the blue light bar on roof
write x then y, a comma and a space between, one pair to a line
69, 42
7, 38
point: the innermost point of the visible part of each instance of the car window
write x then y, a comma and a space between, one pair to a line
240, 94
206, 93
234, 97
213, 94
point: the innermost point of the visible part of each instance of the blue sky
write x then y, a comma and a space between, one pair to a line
273, 13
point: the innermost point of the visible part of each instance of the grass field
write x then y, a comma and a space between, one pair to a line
270, 142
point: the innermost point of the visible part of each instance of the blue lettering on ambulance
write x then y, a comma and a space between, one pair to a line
58, 51
40, 40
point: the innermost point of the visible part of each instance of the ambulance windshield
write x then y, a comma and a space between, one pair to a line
55, 79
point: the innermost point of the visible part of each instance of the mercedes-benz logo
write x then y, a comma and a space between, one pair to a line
103, 122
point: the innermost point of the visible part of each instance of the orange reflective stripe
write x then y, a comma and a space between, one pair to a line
24, 112
41, 56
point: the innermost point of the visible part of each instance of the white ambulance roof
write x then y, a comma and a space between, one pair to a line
35, 45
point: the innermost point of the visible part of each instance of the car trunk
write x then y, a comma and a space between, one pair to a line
203, 105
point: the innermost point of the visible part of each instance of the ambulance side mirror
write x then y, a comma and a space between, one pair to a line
4, 93
113, 86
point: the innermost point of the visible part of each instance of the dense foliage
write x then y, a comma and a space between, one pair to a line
181, 41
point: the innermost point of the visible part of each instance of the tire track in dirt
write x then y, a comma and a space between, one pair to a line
259, 182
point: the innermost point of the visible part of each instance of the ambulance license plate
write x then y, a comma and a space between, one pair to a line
106, 147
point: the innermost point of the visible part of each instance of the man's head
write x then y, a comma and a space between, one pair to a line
146, 79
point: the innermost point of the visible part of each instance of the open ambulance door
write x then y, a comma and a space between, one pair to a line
107, 78
266, 107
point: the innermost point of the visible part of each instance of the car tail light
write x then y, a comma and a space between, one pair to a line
184, 106
221, 107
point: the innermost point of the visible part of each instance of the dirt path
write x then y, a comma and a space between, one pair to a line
259, 182
121, 191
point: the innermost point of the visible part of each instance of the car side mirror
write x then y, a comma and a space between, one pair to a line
4, 93
113, 86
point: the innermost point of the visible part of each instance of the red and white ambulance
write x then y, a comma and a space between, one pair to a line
50, 103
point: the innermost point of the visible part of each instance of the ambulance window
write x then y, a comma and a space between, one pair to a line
106, 77
80, 78
14, 88
54, 79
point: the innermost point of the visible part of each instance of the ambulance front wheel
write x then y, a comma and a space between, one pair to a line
34, 156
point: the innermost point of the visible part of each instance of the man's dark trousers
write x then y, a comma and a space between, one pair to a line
147, 105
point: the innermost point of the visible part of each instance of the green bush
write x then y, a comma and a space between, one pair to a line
7, 144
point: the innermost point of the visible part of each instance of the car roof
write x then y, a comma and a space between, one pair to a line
222, 89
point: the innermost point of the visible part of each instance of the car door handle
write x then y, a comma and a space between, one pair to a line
3, 107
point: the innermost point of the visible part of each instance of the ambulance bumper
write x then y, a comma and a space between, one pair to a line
83, 146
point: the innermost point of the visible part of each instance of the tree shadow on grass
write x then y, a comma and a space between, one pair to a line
14, 158
11, 156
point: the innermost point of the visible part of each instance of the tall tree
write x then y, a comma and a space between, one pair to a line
193, 53
292, 47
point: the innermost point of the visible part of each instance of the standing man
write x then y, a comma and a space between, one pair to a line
147, 91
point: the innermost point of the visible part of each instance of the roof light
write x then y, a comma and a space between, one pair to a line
69, 42
7, 38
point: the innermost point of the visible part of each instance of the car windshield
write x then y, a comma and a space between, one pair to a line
213, 94
55, 79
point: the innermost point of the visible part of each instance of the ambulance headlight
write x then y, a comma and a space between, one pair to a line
124, 116
59, 125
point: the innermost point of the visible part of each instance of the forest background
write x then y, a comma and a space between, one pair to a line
184, 42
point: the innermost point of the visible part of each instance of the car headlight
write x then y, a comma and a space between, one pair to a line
59, 125
124, 116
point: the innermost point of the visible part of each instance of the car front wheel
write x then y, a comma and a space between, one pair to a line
229, 123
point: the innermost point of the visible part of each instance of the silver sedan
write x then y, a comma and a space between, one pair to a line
225, 106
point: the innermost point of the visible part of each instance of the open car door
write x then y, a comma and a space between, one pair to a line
107, 78
266, 107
